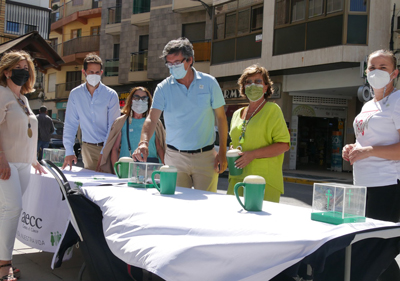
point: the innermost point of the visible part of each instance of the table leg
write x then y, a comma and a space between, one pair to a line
347, 264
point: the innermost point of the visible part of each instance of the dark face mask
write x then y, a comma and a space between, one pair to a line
19, 76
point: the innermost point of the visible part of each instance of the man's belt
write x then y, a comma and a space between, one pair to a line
200, 150
96, 144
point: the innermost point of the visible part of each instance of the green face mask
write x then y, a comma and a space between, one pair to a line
254, 92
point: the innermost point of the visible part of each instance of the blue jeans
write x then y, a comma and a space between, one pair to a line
41, 145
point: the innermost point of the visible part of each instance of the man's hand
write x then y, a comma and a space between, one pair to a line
68, 161
141, 153
38, 168
220, 159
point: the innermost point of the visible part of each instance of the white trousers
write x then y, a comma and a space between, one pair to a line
11, 192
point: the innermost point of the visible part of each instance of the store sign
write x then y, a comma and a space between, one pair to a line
319, 111
123, 96
231, 94
61, 105
276, 88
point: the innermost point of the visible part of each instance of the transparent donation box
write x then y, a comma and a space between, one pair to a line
140, 174
54, 155
338, 203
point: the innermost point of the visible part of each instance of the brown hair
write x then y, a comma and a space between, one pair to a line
92, 58
9, 61
250, 71
128, 103
385, 53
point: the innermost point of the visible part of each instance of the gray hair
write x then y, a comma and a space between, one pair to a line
181, 45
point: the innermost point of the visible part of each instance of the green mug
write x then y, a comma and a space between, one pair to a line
253, 192
168, 175
121, 168
231, 156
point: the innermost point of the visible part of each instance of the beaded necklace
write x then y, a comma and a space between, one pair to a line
245, 123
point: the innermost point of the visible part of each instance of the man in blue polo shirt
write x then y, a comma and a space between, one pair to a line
191, 101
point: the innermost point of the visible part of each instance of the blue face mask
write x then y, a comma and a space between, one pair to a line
178, 71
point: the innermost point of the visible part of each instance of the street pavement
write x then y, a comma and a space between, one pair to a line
35, 265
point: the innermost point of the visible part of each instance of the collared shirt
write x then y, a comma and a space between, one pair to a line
189, 113
46, 127
95, 115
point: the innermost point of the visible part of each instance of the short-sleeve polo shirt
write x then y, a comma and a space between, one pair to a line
189, 113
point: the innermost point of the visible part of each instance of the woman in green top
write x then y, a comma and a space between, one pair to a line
260, 131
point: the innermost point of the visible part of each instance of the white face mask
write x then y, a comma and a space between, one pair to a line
139, 106
378, 78
93, 79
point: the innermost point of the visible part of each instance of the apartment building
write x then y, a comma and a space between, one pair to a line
314, 49
74, 32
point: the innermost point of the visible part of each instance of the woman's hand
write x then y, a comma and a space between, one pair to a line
39, 168
245, 159
5, 171
346, 151
359, 153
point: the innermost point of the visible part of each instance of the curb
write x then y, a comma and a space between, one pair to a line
302, 181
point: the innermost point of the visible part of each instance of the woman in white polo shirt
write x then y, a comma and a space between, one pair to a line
375, 155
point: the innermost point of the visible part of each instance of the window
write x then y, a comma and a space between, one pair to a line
141, 6
95, 30
51, 86
144, 43
75, 33
29, 28
314, 24
73, 80
116, 51
12, 27
237, 25
195, 32
358, 5
315, 8
298, 10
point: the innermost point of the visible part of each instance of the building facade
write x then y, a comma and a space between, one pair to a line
75, 29
314, 49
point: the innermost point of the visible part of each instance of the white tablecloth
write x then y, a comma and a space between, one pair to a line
45, 215
196, 235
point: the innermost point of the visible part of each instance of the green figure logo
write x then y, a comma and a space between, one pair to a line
349, 193
328, 197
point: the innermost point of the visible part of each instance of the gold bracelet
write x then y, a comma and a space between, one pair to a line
143, 141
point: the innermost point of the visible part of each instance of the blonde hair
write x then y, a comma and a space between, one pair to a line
128, 103
9, 61
250, 71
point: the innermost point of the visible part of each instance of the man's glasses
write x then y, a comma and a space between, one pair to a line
257, 81
176, 63
22, 104
137, 98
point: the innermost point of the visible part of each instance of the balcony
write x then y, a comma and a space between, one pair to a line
185, 6
139, 61
81, 45
111, 67
69, 12
63, 90
141, 13
113, 26
114, 15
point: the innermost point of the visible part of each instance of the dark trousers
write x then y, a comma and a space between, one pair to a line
41, 145
383, 203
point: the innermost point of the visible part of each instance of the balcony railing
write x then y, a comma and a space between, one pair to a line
62, 90
114, 15
81, 45
141, 6
202, 50
139, 61
69, 8
58, 48
111, 67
